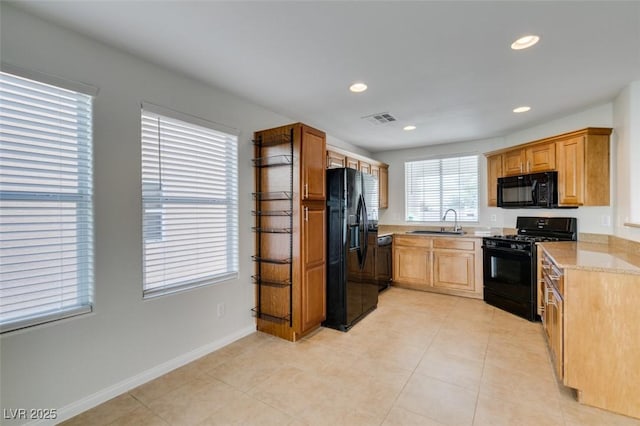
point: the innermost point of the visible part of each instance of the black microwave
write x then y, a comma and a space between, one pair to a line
534, 190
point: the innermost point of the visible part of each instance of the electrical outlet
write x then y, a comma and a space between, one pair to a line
493, 218
220, 310
605, 220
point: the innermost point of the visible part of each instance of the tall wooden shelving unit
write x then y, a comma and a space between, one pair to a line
273, 162
290, 225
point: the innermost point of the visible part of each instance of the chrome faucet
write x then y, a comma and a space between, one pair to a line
456, 227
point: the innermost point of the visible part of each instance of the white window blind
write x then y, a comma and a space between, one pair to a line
190, 202
435, 185
46, 244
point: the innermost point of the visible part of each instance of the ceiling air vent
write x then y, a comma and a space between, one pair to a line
380, 118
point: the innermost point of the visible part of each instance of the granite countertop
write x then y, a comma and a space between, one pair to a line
592, 257
470, 232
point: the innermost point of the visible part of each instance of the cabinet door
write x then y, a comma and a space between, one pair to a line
383, 196
514, 162
313, 286
453, 270
352, 163
335, 160
494, 171
365, 167
558, 346
411, 266
554, 326
313, 164
570, 171
541, 157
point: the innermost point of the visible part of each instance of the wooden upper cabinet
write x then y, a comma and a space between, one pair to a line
375, 171
583, 169
581, 158
352, 163
494, 171
336, 160
571, 162
514, 162
540, 157
531, 159
313, 154
383, 196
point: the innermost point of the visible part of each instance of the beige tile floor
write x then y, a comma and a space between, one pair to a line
419, 359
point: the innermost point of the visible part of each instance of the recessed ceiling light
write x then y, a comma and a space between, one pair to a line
524, 42
409, 127
358, 87
522, 109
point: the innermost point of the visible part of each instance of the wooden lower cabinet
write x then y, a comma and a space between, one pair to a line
313, 303
314, 298
440, 264
452, 270
412, 266
592, 323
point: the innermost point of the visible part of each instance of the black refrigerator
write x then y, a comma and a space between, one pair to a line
350, 295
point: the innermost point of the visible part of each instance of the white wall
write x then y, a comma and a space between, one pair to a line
589, 218
627, 172
76, 363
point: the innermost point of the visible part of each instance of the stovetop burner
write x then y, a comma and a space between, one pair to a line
525, 238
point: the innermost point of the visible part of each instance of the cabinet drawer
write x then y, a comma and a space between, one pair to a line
412, 241
455, 244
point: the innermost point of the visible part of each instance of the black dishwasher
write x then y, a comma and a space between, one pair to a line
383, 262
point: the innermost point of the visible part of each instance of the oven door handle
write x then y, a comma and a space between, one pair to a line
511, 251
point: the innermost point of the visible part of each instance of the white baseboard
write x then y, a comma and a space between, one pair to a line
110, 392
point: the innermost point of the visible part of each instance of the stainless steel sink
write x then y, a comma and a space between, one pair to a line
434, 232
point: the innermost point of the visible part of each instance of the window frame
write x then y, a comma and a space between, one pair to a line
440, 159
83, 217
150, 292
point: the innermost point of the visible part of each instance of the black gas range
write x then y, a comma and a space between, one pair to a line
510, 262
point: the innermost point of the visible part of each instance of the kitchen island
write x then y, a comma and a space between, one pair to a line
591, 317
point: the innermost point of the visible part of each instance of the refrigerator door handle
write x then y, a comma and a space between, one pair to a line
365, 221
360, 232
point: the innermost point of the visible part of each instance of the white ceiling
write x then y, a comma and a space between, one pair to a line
445, 67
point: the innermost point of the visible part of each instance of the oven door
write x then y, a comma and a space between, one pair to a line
509, 281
